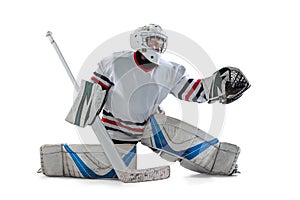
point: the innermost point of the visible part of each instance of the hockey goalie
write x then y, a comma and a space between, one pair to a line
128, 87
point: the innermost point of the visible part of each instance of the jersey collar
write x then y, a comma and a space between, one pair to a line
141, 65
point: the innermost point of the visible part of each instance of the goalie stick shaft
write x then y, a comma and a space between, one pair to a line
123, 173
62, 59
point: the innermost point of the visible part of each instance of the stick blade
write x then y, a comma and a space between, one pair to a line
142, 175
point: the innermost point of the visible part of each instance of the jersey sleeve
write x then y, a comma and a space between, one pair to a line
188, 89
103, 74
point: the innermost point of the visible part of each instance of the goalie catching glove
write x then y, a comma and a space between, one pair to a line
225, 85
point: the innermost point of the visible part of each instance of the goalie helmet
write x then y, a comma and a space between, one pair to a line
150, 40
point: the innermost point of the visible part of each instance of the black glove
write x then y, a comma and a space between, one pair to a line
225, 85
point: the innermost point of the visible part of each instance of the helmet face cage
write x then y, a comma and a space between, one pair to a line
155, 41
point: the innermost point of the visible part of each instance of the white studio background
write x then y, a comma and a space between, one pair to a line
260, 37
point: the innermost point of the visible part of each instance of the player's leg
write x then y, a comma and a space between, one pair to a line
196, 150
83, 160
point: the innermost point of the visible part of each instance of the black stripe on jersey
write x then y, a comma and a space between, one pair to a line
103, 78
124, 142
198, 93
125, 122
186, 85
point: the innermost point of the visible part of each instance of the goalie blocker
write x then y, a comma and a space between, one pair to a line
87, 104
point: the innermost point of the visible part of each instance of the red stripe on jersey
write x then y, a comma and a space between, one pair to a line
99, 82
121, 125
192, 89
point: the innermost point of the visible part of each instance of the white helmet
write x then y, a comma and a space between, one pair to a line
150, 40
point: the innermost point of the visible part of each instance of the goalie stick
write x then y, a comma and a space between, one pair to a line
124, 174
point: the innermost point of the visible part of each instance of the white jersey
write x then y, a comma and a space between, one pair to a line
135, 92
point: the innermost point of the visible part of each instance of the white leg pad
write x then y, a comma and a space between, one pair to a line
83, 160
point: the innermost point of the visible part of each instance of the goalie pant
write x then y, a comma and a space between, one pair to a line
171, 138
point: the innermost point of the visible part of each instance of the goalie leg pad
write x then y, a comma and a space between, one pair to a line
83, 160
195, 149
223, 158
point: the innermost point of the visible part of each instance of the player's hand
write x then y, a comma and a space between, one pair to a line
235, 85
226, 85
